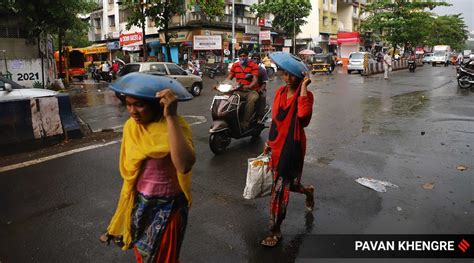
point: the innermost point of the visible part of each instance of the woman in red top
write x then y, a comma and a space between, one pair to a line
291, 112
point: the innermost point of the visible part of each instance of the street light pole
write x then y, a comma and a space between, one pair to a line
294, 34
233, 30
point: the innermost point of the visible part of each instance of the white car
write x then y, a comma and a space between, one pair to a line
356, 61
427, 58
10, 90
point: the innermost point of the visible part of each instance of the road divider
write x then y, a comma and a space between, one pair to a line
30, 120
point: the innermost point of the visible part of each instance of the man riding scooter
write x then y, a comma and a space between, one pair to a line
262, 82
249, 88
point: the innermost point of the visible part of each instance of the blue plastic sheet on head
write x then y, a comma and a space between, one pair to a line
289, 63
145, 86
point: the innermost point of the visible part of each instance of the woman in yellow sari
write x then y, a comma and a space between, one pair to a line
156, 158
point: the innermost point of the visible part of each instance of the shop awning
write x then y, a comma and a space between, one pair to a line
348, 37
95, 49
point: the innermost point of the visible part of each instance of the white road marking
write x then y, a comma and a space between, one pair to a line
54, 156
199, 119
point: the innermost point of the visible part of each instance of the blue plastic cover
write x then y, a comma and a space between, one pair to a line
289, 63
145, 86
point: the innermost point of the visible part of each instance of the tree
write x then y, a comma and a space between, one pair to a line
402, 22
139, 12
448, 30
50, 16
161, 12
289, 14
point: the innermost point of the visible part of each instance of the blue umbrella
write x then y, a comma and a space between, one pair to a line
289, 63
145, 86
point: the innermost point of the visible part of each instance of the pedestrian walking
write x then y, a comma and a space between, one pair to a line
156, 158
387, 64
291, 112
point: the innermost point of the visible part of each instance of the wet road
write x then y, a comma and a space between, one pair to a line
410, 130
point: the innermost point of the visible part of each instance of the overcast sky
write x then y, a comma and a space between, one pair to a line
464, 7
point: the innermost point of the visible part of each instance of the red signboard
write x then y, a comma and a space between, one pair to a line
261, 22
348, 37
126, 39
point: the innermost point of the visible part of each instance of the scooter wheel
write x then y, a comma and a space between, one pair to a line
218, 142
463, 82
211, 75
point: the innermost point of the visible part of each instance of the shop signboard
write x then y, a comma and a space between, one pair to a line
288, 42
268, 23
113, 45
126, 39
249, 39
249, 29
265, 35
207, 42
261, 22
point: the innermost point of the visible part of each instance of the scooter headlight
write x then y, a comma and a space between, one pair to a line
224, 87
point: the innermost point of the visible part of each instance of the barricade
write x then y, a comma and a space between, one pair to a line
376, 68
27, 121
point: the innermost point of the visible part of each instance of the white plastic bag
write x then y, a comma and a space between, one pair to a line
259, 178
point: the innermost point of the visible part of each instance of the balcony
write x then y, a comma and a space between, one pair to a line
333, 9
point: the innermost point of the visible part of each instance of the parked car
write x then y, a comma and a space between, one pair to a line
427, 58
356, 61
191, 82
10, 90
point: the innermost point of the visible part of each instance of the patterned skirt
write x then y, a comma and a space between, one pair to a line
158, 226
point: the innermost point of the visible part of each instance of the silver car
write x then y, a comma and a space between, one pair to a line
356, 61
190, 81
10, 90
427, 58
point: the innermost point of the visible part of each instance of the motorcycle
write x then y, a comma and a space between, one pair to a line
214, 70
465, 75
100, 75
227, 110
411, 65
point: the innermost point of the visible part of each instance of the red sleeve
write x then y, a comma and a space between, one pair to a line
276, 101
255, 70
305, 108
232, 70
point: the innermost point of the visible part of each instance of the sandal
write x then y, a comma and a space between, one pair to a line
310, 199
271, 241
105, 238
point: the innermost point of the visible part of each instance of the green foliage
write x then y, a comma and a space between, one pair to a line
448, 30
49, 15
211, 9
401, 21
289, 14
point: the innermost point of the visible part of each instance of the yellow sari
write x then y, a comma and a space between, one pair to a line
139, 143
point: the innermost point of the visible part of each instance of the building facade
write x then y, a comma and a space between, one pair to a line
189, 33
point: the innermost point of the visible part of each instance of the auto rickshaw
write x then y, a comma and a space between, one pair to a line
322, 63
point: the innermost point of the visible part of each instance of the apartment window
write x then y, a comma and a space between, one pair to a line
97, 23
333, 2
112, 20
354, 9
124, 15
111, 2
239, 10
334, 21
325, 20
324, 2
